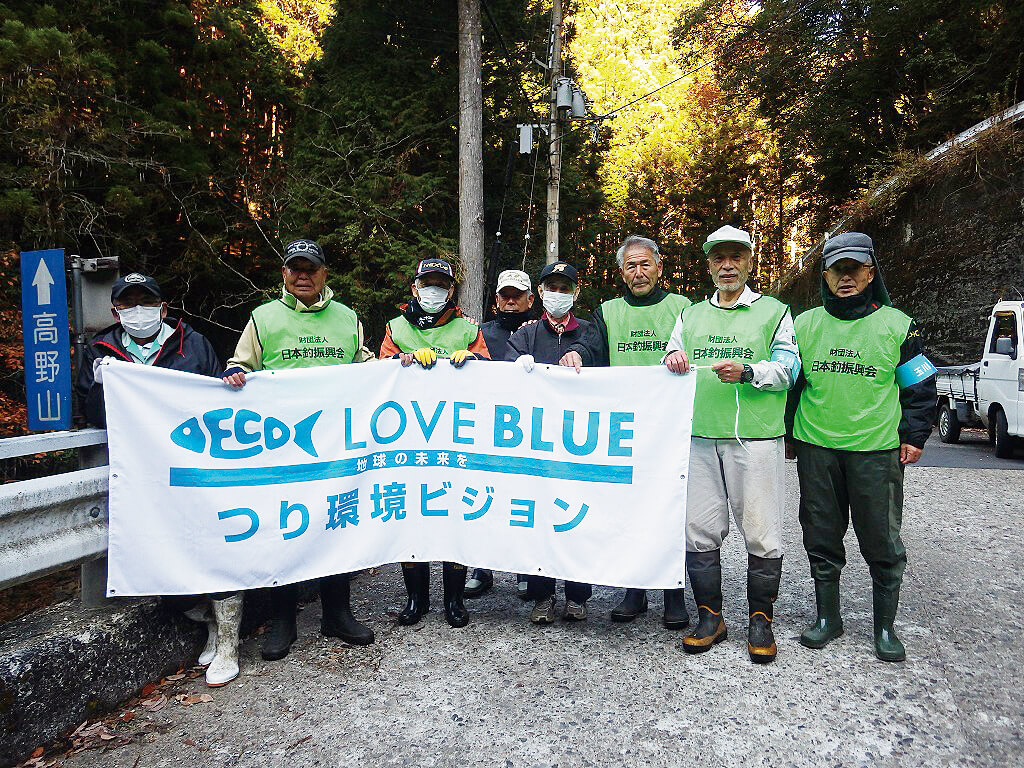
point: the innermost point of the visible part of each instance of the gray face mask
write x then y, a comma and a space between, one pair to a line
432, 298
141, 322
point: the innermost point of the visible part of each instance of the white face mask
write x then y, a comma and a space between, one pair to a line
140, 322
432, 298
557, 304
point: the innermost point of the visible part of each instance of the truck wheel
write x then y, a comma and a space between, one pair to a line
1004, 443
949, 425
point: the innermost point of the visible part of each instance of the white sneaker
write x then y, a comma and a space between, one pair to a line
543, 612
224, 667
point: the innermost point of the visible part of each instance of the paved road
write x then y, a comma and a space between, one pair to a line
504, 693
972, 452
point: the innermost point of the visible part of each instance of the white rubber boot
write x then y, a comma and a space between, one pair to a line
224, 667
202, 613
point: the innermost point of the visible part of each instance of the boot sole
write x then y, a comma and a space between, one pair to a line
819, 646
221, 685
274, 655
622, 618
900, 657
704, 648
457, 623
758, 656
409, 622
350, 639
676, 623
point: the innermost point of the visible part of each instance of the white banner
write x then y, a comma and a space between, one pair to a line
308, 473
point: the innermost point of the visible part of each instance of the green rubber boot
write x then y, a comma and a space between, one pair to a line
829, 624
887, 645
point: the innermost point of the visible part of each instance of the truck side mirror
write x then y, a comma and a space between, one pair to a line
1004, 346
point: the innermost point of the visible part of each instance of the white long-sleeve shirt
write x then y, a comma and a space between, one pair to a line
779, 372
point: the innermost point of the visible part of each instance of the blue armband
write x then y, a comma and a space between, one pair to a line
914, 372
788, 359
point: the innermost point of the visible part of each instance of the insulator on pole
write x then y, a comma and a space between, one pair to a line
525, 138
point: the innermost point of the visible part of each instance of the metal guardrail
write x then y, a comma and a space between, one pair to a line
51, 523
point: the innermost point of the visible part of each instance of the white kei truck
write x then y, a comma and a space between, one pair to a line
989, 393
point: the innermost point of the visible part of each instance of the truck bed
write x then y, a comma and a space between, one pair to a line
958, 381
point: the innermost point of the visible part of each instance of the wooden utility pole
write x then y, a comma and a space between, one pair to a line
471, 160
554, 135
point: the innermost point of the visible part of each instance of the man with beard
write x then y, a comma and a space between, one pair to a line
744, 348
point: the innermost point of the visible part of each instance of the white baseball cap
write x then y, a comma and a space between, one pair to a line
728, 234
513, 278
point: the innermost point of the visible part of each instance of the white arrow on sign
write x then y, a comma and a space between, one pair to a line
42, 282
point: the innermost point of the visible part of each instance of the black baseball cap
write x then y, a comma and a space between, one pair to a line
135, 280
568, 271
437, 266
306, 249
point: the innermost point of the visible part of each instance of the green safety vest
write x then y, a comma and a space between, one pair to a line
744, 335
639, 335
458, 333
851, 401
293, 339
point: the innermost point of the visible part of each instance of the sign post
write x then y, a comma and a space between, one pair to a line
44, 324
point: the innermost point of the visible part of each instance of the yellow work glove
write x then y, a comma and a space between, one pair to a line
459, 358
425, 357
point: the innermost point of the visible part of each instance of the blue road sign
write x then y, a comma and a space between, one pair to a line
44, 323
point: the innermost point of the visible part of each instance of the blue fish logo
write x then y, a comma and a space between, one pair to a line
192, 436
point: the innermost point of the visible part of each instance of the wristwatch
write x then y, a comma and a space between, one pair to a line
748, 374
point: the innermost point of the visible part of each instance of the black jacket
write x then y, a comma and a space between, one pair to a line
496, 334
598, 355
547, 346
185, 350
917, 402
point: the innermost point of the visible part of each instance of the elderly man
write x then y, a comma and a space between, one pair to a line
547, 341
431, 326
634, 330
303, 328
862, 410
143, 335
514, 300
743, 345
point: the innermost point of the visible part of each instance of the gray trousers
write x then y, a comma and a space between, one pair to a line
750, 482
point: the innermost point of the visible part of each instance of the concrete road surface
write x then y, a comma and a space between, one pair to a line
504, 693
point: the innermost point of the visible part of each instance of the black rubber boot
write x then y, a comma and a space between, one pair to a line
281, 633
633, 604
705, 572
888, 646
454, 581
676, 616
829, 624
764, 575
417, 585
337, 619
483, 579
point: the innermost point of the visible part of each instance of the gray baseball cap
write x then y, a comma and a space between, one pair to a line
849, 245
